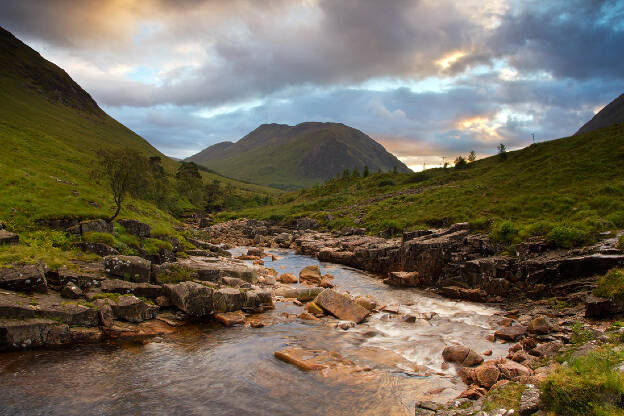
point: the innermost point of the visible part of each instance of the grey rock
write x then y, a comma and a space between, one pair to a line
530, 401
7, 238
100, 249
71, 291
192, 298
23, 278
132, 309
135, 227
132, 268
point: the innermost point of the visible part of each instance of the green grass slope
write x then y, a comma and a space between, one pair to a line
50, 131
291, 157
568, 188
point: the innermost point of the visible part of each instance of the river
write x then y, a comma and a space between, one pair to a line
206, 369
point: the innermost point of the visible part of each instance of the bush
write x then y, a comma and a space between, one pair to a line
95, 237
47, 239
505, 397
153, 246
460, 163
505, 231
590, 385
611, 285
417, 177
386, 183
175, 274
568, 237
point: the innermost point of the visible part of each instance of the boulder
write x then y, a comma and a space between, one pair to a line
230, 318
96, 226
314, 309
539, 325
100, 249
511, 369
18, 334
487, 375
71, 291
547, 349
105, 313
234, 282
132, 268
367, 302
256, 252
302, 294
462, 355
135, 227
132, 309
23, 278
7, 238
455, 292
403, 279
190, 297
124, 287
326, 283
287, 278
530, 401
596, 307
257, 300
311, 274
341, 306
90, 275
227, 300
511, 333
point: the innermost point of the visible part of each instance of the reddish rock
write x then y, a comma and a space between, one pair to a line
510, 369
402, 279
487, 353
539, 325
487, 375
473, 393
511, 333
341, 306
306, 316
231, 318
287, 278
311, 274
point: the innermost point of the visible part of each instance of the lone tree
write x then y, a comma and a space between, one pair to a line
472, 156
460, 163
123, 171
502, 151
366, 171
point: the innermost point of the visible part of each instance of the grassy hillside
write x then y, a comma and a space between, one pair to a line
574, 183
291, 157
50, 131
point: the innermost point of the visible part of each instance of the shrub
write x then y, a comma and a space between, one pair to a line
96, 237
589, 385
417, 177
568, 237
47, 239
505, 231
152, 246
481, 225
505, 397
460, 163
386, 183
174, 274
611, 285
617, 219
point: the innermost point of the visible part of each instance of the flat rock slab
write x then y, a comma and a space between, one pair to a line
231, 318
145, 290
403, 279
341, 306
511, 333
18, 334
23, 278
7, 238
302, 294
87, 276
132, 309
132, 268
49, 306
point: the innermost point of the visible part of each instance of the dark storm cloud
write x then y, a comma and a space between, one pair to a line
186, 74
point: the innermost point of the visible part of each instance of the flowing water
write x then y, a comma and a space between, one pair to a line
209, 370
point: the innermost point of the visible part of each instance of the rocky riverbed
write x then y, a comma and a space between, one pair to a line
347, 309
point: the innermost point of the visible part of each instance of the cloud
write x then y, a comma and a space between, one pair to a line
448, 76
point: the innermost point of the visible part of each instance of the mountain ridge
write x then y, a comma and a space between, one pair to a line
612, 113
296, 156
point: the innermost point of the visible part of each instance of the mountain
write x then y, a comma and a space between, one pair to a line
50, 131
612, 114
291, 157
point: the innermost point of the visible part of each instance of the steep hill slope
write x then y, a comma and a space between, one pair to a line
294, 156
613, 113
573, 182
50, 130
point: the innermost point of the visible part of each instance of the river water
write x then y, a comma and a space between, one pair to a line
210, 370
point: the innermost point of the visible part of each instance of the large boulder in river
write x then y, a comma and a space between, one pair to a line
132, 309
193, 298
227, 300
257, 300
462, 355
132, 268
138, 228
23, 278
341, 306
311, 274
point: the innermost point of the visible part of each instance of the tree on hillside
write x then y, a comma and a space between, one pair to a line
394, 169
460, 162
124, 171
502, 151
472, 156
366, 171
159, 188
346, 174
356, 172
189, 182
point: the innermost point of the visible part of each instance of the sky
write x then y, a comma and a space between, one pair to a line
426, 78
